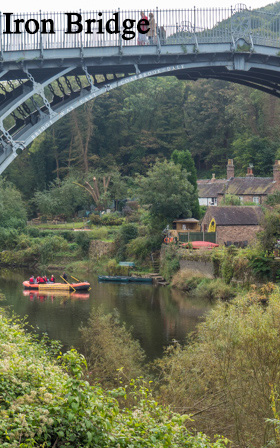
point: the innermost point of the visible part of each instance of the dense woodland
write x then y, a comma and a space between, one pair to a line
130, 127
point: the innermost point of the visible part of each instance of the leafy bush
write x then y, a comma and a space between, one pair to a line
12, 209
226, 375
215, 289
95, 219
49, 247
33, 232
111, 220
47, 404
23, 242
99, 234
8, 238
261, 266
127, 233
231, 199
227, 270
111, 352
113, 268
187, 280
170, 263
83, 241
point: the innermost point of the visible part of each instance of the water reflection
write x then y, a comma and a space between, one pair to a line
156, 314
42, 296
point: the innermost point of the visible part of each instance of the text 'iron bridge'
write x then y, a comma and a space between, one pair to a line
46, 71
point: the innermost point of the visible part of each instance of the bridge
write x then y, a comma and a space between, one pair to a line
46, 72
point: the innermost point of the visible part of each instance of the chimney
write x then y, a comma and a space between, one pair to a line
276, 171
230, 169
213, 177
250, 171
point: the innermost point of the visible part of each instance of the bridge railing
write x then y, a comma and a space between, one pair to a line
184, 26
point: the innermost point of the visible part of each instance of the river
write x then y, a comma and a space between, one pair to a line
156, 314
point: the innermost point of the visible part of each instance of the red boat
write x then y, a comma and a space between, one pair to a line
82, 286
201, 245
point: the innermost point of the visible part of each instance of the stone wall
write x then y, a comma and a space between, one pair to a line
236, 233
99, 249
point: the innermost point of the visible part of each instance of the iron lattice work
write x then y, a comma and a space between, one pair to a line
45, 76
184, 26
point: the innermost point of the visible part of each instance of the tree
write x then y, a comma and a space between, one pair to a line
270, 232
63, 198
12, 208
167, 192
185, 160
231, 199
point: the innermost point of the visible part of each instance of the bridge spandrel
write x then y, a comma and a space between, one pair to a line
45, 76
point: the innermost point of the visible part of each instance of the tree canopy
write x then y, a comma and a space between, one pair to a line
166, 191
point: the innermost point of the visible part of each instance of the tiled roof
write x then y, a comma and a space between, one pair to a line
210, 189
250, 185
235, 185
235, 215
187, 220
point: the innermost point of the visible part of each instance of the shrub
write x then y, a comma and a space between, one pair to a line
227, 269
187, 280
139, 248
170, 262
8, 238
225, 376
129, 231
49, 246
33, 232
111, 352
95, 219
45, 404
111, 220
83, 241
23, 242
113, 268
126, 233
99, 234
261, 266
215, 289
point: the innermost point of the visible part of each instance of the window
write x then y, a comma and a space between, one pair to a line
213, 201
256, 199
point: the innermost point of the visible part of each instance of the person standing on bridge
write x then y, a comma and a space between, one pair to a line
142, 38
152, 31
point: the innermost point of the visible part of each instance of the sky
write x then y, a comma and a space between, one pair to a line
74, 5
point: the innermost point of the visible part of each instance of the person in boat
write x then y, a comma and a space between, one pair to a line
52, 280
37, 279
41, 280
64, 276
31, 280
45, 279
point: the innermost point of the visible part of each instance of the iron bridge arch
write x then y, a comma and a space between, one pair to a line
44, 78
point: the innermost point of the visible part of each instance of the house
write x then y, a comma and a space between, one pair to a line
233, 224
248, 188
208, 190
184, 225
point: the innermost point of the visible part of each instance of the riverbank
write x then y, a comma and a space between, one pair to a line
46, 400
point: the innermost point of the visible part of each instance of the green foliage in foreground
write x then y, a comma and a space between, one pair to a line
226, 375
46, 405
